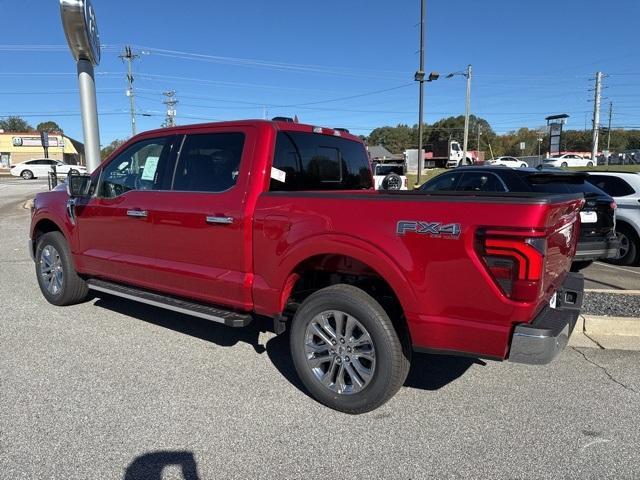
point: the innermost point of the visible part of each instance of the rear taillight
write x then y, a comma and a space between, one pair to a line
516, 263
406, 183
613, 205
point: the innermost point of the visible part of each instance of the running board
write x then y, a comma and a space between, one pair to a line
189, 307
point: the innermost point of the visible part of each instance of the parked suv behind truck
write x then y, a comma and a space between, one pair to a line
254, 220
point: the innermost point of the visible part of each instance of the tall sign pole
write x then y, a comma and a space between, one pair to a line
419, 77
81, 30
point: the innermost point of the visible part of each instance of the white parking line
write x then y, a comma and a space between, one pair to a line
617, 268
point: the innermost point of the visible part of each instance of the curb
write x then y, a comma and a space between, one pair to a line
602, 325
606, 333
612, 291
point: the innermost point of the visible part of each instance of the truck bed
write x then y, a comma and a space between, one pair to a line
448, 298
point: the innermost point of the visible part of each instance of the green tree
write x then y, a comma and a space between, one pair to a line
15, 124
453, 128
109, 149
49, 127
395, 139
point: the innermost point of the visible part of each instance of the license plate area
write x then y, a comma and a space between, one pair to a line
588, 217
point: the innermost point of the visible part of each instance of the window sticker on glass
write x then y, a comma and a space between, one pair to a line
150, 167
277, 174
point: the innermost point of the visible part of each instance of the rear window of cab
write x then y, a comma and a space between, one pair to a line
310, 161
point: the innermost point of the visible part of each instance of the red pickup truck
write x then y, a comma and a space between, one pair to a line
255, 220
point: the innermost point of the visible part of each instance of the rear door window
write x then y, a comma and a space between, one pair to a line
309, 161
209, 162
614, 186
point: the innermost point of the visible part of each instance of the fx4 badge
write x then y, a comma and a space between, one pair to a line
433, 229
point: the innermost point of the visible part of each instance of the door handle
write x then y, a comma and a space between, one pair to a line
137, 213
220, 220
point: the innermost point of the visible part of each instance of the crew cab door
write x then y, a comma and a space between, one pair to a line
202, 236
115, 226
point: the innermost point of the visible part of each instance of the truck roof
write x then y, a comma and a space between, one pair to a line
280, 125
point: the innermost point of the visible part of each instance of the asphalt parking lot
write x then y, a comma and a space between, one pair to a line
115, 389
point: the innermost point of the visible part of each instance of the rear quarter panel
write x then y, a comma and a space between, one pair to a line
448, 298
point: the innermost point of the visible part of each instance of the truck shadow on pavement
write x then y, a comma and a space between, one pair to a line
151, 465
428, 372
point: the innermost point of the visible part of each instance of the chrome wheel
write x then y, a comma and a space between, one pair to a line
51, 270
623, 249
340, 352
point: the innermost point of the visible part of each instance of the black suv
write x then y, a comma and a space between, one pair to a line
597, 231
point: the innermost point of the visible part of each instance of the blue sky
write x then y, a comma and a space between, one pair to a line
287, 57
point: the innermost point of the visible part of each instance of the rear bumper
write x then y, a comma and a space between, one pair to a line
595, 249
540, 341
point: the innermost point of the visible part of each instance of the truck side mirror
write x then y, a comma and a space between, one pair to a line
78, 185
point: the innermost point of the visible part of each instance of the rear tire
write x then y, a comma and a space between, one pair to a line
73, 172
629, 247
26, 174
57, 278
589, 164
346, 350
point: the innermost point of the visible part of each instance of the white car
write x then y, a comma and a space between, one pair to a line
40, 167
567, 160
389, 176
624, 187
512, 162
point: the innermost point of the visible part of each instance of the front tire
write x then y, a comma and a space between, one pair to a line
564, 164
26, 174
346, 350
57, 278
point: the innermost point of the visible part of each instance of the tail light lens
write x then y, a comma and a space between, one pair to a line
406, 184
516, 263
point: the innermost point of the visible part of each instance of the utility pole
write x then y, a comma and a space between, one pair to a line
478, 142
419, 77
170, 102
466, 115
609, 127
596, 116
129, 57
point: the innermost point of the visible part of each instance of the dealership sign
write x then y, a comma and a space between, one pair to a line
81, 29
32, 141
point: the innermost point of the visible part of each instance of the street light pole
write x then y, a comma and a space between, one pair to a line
419, 77
466, 115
